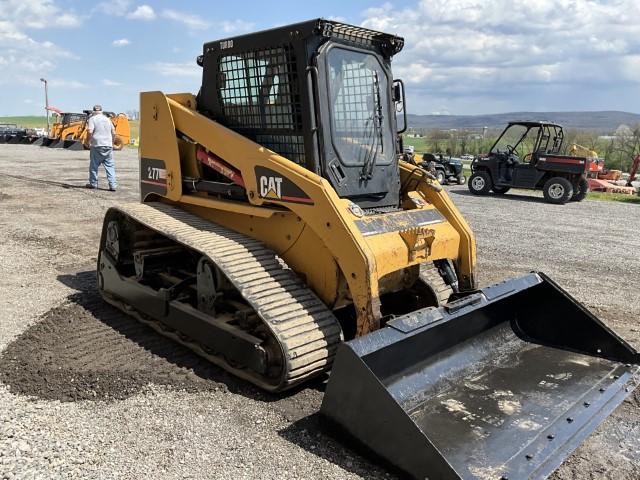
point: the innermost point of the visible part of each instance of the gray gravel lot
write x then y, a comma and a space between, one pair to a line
100, 398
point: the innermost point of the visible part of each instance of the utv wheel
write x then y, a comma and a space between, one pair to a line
461, 179
500, 190
558, 190
440, 176
480, 183
581, 190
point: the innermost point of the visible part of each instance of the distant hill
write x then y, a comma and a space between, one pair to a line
604, 122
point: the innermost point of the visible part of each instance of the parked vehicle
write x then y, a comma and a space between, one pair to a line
446, 170
527, 155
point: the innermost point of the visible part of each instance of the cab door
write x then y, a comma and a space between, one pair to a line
358, 125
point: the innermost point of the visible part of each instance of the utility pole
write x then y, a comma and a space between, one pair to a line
46, 101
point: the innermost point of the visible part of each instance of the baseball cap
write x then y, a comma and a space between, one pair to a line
97, 108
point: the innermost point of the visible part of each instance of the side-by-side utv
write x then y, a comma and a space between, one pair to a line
528, 155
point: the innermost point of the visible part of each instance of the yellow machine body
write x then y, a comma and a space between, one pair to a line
318, 238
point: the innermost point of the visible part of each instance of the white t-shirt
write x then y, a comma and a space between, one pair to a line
101, 130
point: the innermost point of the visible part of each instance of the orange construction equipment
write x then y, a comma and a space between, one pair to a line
70, 130
596, 164
634, 169
599, 185
612, 175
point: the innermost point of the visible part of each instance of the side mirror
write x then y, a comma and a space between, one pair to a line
397, 93
399, 100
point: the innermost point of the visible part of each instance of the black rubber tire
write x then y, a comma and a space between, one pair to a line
582, 188
558, 190
441, 177
500, 190
461, 179
480, 183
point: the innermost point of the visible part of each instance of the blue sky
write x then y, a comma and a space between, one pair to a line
461, 56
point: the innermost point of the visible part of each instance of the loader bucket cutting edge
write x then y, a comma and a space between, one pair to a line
504, 383
73, 145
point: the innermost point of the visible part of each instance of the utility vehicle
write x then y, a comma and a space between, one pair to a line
528, 155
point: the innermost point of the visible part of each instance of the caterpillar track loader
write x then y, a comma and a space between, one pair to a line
280, 237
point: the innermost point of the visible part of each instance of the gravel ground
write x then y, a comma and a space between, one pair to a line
86, 393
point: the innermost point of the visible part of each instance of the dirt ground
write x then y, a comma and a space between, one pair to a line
85, 392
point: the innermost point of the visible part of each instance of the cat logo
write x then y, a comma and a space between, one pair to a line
271, 187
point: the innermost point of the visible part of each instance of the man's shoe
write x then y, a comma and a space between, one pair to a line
112, 189
92, 187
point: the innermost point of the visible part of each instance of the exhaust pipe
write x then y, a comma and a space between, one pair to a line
504, 383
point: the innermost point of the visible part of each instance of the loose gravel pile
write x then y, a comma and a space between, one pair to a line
87, 393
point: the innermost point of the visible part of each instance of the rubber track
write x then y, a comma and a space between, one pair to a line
430, 275
307, 331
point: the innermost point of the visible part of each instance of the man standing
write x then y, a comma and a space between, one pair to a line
100, 138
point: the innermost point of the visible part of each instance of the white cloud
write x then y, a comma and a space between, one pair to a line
235, 26
110, 83
117, 8
142, 12
121, 42
25, 60
191, 21
462, 52
168, 69
63, 83
38, 14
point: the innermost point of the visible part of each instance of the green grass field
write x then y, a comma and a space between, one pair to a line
41, 122
613, 197
420, 144
27, 122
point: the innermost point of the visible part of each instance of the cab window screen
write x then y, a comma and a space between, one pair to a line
258, 92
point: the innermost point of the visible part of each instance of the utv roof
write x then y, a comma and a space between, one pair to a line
388, 43
540, 123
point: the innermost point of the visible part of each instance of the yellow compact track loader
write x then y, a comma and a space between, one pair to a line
280, 237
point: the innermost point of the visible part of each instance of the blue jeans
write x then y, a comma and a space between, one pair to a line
102, 155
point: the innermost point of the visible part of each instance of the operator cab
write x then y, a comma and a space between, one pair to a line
319, 93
